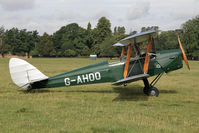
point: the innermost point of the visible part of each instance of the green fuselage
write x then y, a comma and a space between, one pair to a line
162, 61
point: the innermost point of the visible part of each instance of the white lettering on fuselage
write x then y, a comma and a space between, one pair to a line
85, 78
79, 80
67, 81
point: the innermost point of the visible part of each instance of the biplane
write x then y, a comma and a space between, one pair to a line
134, 66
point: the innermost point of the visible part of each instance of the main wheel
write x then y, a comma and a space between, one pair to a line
153, 92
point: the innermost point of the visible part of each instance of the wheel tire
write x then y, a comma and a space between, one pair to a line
153, 92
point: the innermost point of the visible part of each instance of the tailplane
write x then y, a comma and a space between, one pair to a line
24, 74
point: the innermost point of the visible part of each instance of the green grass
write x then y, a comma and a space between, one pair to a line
100, 108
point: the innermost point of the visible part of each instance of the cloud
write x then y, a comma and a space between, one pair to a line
139, 10
184, 15
49, 15
10, 16
181, 15
100, 13
69, 16
13, 5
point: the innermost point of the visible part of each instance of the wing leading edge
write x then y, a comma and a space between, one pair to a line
139, 37
131, 79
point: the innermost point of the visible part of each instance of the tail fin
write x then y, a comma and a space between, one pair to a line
24, 74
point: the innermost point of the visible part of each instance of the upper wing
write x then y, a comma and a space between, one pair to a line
139, 37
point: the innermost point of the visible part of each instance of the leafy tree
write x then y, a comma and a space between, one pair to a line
12, 39
96, 49
4, 48
102, 31
45, 46
69, 53
133, 32
143, 29
190, 37
116, 39
2, 31
35, 51
115, 31
89, 27
89, 40
57, 40
119, 30
67, 45
21, 41
32, 40
167, 40
107, 49
27, 40
85, 51
71, 37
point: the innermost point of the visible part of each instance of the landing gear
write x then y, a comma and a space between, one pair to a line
149, 89
29, 89
153, 92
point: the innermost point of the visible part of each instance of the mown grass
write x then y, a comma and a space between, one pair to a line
100, 108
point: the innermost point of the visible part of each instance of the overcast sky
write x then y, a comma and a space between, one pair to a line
49, 15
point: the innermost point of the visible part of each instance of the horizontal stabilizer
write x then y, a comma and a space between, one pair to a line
131, 79
23, 74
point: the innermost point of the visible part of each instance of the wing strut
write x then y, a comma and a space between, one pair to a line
123, 51
147, 58
127, 61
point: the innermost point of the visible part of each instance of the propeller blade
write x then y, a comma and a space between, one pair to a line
183, 54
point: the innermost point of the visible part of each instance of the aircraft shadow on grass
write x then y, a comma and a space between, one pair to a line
130, 93
135, 93
169, 91
126, 93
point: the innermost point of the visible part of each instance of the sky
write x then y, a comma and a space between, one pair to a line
50, 15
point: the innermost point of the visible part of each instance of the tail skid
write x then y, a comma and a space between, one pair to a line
24, 74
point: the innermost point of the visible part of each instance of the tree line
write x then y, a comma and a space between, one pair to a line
72, 40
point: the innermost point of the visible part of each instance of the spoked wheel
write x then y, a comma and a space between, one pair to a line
152, 91
149, 89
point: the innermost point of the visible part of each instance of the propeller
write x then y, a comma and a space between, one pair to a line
183, 54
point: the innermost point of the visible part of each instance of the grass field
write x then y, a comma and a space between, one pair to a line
100, 108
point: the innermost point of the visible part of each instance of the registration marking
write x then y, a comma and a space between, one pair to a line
84, 78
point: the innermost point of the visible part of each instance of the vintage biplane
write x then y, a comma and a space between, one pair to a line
132, 67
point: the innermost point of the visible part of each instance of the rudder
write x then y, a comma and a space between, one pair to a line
23, 73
